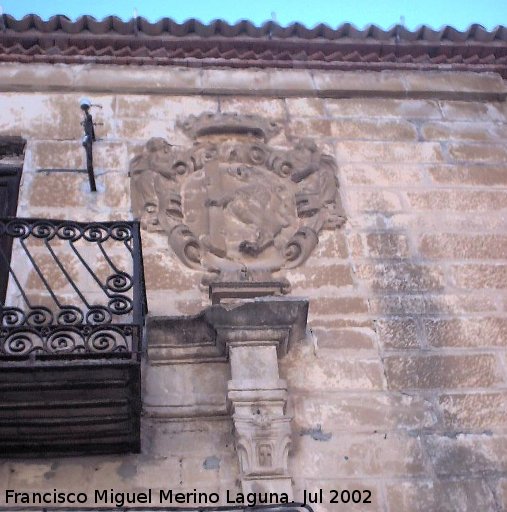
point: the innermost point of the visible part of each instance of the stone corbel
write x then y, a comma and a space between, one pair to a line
255, 335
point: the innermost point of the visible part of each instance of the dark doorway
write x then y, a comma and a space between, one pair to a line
11, 158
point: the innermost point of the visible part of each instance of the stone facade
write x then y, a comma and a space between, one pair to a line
399, 385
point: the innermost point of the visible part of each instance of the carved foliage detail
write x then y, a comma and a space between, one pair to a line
263, 449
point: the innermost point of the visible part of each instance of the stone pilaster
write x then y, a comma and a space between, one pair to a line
257, 399
255, 337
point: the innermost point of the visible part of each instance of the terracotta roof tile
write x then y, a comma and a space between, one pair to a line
192, 43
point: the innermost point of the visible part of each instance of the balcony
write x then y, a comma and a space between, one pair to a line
71, 330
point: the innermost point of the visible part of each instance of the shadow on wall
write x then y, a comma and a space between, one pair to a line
426, 354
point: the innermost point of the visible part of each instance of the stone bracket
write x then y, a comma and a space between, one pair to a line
177, 340
209, 335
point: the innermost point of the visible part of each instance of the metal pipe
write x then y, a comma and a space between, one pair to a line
88, 140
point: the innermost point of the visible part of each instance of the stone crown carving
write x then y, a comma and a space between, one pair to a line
214, 124
233, 205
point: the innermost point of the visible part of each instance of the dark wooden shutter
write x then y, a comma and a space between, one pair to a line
9, 189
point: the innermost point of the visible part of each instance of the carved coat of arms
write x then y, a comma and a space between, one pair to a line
231, 204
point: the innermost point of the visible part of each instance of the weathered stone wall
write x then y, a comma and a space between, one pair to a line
400, 386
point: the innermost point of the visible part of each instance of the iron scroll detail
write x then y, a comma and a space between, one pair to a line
75, 289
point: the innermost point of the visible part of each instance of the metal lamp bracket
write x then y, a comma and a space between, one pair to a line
87, 141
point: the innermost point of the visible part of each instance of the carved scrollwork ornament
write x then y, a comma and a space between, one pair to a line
232, 201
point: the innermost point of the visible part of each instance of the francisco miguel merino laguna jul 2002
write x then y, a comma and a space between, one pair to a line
147, 497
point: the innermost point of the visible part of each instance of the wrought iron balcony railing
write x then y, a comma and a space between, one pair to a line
75, 289
71, 328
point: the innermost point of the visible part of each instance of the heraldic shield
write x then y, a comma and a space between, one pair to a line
232, 205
